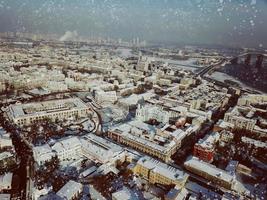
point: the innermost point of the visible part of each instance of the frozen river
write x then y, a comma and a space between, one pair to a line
189, 64
222, 77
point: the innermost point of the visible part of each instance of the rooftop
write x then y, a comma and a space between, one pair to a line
6, 180
66, 144
209, 169
29, 109
124, 194
256, 143
69, 190
162, 168
209, 141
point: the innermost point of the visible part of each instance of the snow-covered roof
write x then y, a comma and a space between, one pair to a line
6, 181
162, 168
66, 144
30, 109
70, 189
212, 170
124, 194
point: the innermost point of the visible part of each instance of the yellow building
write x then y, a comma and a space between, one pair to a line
157, 172
210, 173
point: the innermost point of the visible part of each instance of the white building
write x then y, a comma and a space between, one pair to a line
246, 100
74, 149
2, 86
124, 194
43, 153
226, 136
255, 143
148, 139
6, 181
105, 97
5, 196
147, 112
36, 193
101, 150
70, 190
240, 118
68, 149
5, 140
134, 99
55, 86
26, 114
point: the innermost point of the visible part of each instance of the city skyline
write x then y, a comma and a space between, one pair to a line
224, 22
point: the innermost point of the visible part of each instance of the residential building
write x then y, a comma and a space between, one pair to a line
255, 143
26, 114
6, 181
102, 97
204, 148
70, 191
148, 139
68, 149
124, 194
157, 172
240, 118
5, 196
148, 112
101, 150
248, 99
43, 153
210, 173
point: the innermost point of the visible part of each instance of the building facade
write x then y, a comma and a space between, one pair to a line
204, 149
210, 173
157, 172
26, 114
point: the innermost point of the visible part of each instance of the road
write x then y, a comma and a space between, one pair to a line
210, 68
94, 106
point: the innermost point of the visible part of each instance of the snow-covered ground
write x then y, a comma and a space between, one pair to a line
190, 61
222, 77
125, 52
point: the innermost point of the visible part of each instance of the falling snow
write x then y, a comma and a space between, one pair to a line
174, 19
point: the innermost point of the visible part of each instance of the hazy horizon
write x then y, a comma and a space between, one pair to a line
219, 22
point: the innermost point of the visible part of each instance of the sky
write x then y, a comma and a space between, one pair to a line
219, 22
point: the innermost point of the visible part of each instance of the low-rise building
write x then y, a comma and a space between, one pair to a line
101, 150
255, 143
148, 139
240, 118
102, 97
157, 172
226, 136
43, 153
176, 194
248, 99
70, 191
5, 196
73, 149
39, 192
26, 114
204, 149
210, 173
5, 140
68, 149
124, 194
148, 112
6, 181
